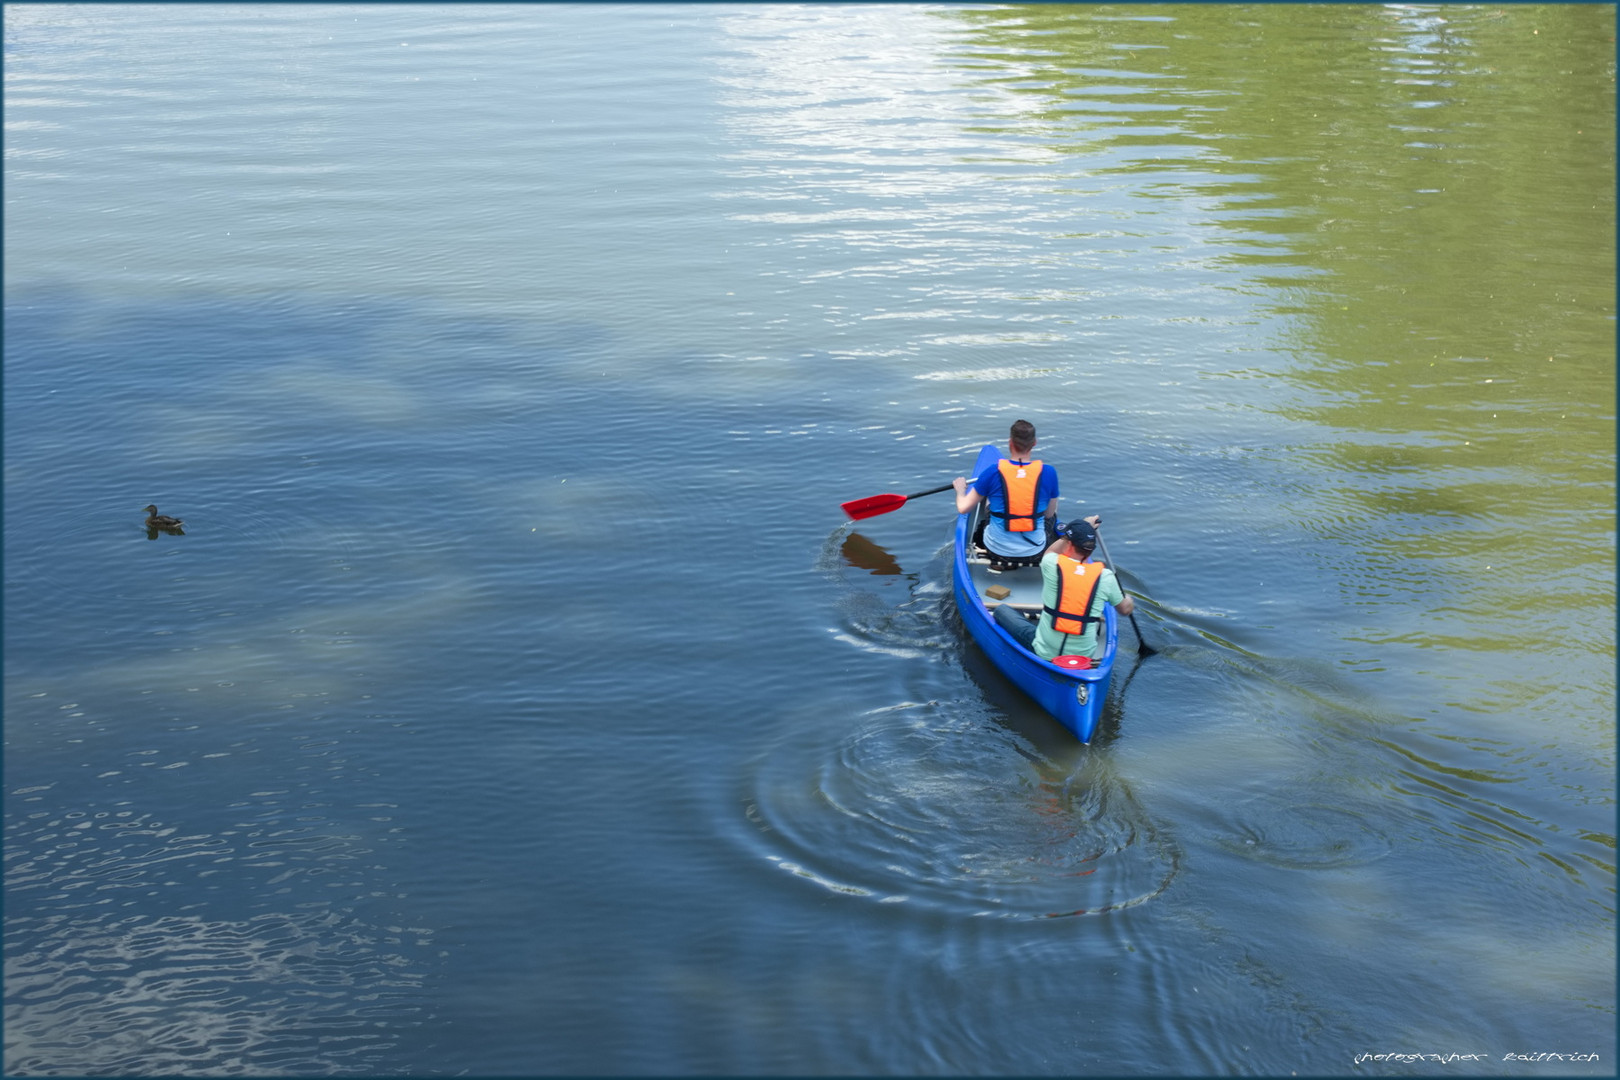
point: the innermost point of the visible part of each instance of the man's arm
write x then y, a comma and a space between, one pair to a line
966, 498
1125, 605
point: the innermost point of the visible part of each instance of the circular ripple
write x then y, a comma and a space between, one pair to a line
934, 803
1303, 837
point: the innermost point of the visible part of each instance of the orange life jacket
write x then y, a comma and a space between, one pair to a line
1019, 483
1077, 587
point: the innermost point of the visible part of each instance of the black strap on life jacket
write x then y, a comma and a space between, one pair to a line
1015, 517
1081, 619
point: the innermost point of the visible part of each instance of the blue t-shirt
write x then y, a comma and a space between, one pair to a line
996, 536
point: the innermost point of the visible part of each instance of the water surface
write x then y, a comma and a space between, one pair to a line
518, 702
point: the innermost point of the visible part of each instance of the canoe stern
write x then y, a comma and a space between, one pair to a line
1073, 696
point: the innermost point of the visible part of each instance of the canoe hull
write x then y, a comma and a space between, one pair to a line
1074, 697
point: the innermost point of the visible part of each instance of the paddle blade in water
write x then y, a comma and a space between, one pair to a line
873, 505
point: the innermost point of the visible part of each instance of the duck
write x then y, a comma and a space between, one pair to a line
155, 520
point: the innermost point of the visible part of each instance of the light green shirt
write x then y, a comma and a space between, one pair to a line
1048, 641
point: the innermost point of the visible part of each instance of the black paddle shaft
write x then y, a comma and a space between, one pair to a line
933, 491
1142, 646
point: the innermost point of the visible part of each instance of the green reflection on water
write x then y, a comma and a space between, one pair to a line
1422, 199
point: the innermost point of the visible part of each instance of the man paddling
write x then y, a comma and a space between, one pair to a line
1073, 592
1023, 496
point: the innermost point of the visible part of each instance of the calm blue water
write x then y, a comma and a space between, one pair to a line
518, 701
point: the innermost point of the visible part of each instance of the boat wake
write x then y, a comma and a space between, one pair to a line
934, 804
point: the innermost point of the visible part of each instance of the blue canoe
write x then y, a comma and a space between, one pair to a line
1074, 696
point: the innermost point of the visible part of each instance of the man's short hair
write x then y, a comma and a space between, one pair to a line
1022, 435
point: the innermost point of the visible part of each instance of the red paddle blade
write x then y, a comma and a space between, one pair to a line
872, 506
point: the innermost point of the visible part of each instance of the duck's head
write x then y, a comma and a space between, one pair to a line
150, 509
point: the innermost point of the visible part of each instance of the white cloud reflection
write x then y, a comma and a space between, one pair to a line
862, 99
